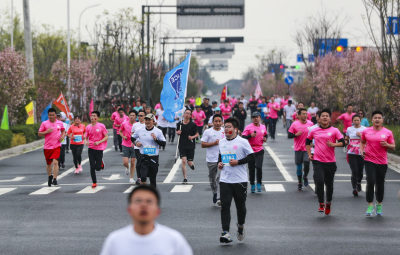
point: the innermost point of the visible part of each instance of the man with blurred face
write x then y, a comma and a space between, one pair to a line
347, 118
135, 127
144, 236
128, 150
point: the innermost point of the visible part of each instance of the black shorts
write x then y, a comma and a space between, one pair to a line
188, 153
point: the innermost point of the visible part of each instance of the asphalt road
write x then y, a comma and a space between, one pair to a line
280, 220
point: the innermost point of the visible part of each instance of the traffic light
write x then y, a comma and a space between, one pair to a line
281, 66
297, 67
339, 48
359, 49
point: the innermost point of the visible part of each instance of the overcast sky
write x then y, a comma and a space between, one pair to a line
269, 24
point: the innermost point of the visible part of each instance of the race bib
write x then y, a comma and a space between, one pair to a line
149, 150
77, 138
227, 157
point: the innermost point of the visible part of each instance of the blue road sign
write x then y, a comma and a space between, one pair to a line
300, 57
393, 25
289, 80
310, 57
328, 45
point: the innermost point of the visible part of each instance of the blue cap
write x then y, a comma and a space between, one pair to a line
217, 109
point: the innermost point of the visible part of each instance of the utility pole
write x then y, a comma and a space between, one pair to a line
28, 40
68, 56
12, 24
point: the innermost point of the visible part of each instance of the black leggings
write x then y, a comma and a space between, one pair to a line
149, 168
237, 191
164, 131
256, 164
200, 130
171, 134
272, 127
77, 153
138, 162
356, 163
95, 159
324, 173
375, 179
61, 159
120, 143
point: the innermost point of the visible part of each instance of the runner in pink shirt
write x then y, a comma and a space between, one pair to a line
346, 118
300, 106
273, 107
115, 128
198, 117
128, 152
375, 141
96, 137
326, 138
257, 135
119, 119
299, 131
226, 110
54, 132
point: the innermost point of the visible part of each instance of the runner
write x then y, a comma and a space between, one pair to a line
364, 120
54, 132
76, 133
299, 131
118, 120
188, 132
61, 160
288, 110
263, 109
354, 158
244, 101
256, 134
149, 139
210, 140
240, 114
226, 109
312, 110
127, 146
198, 117
135, 127
253, 103
162, 123
214, 105
96, 137
375, 141
234, 152
115, 128
346, 118
326, 138
144, 235
300, 105
207, 109
217, 110
273, 107
172, 130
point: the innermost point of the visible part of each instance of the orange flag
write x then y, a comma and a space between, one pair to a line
62, 104
224, 93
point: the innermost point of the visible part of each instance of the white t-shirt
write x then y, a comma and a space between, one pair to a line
244, 101
289, 110
149, 146
161, 121
354, 145
209, 136
237, 148
66, 127
162, 240
312, 111
135, 127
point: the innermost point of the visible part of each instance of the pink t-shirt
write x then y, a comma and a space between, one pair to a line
322, 152
273, 114
374, 151
225, 111
347, 120
126, 129
113, 116
294, 116
233, 101
192, 101
158, 106
96, 133
119, 120
284, 102
52, 139
198, 118
300, 141
256, 142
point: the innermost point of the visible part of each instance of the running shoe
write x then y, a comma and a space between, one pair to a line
94, 185
131, 180
126, 171
138, 181
370, 211
192, 166
50, 180
76, 170
321, 208
258, 187
253, 188
80, 168
299, 187
218, 203
379, 209
184, 181
225, 237
214, 198
327, 208
359, 189
305, 180
355, 193
55, 182
240, 233
102, 165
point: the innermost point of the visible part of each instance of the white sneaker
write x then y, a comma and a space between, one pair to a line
240, 233
131, 180
126, 171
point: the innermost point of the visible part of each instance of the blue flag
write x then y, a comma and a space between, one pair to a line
44, 115
174, 89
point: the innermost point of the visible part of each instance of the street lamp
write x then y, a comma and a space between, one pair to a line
80, 16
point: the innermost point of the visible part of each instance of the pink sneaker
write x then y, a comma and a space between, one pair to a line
80, 168
76, 170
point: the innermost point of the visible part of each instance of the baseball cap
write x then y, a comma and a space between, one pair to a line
217, 109
255, 114
149, 116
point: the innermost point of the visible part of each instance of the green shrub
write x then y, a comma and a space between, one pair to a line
29, 131
5, 139
396, 133
107, 122
18, 139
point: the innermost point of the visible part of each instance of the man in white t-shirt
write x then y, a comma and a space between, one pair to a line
288, 111
145, 236
135, 127
234, 153
210, 140
312, 110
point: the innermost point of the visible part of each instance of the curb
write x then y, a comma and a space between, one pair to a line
20, 149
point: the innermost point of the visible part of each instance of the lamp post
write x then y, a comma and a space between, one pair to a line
80, 17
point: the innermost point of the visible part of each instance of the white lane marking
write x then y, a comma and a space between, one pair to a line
274, 188
73, 168
279, 164
394, 167
113, 177
343, 175
312, 186
182, 188
128, 190
5, 190
281, 134
173, 171
16, 179
44, 191
90, 190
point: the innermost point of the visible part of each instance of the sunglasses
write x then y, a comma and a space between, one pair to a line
141, 115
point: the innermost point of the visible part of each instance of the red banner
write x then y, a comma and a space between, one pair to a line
62, 104
224, 93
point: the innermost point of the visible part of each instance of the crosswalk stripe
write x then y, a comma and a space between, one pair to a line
274, 188
128, 190
182, 188
15, 179
6, 190
90, 190
44, 191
